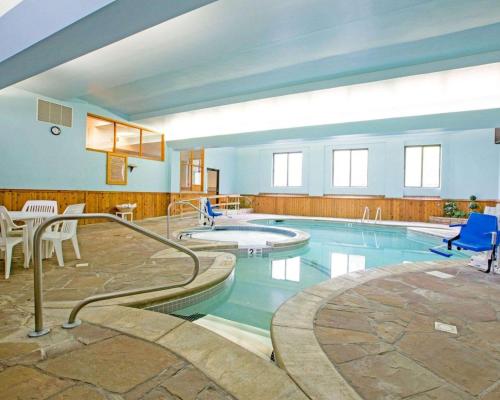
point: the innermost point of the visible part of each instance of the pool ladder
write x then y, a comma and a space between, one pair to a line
40, 330
366, 215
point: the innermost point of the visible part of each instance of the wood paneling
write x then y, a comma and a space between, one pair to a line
149, 204
154, 204
398, 209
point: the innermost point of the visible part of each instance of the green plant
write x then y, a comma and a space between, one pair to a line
450, 209
473, 206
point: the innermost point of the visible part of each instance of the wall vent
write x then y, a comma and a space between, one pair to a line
55, 113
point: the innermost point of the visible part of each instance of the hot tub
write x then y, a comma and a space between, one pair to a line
248, 236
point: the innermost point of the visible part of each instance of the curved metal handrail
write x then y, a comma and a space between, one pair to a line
38, 272
187, 203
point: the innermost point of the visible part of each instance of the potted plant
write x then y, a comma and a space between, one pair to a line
451, 214
473, 206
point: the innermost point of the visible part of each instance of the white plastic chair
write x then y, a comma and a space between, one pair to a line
9, 239
67, 231
45, 206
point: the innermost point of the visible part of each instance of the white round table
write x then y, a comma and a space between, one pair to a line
29, 218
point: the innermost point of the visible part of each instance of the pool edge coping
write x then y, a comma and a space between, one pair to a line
296, 347
301, 238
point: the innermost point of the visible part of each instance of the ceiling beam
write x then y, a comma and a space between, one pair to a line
106, 25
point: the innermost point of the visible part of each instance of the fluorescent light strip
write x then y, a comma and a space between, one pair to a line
464, 89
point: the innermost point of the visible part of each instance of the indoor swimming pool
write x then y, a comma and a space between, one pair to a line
262, 283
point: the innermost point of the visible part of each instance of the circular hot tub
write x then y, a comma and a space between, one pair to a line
248, 236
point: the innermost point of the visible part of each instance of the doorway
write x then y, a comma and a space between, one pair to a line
213, 182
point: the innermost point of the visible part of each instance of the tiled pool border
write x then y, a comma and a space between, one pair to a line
172, 306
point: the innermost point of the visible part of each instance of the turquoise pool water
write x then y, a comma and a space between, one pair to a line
262, 284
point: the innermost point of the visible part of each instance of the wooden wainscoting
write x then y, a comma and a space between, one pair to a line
398, 209
149, 204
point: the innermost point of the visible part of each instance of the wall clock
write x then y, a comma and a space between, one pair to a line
55, 130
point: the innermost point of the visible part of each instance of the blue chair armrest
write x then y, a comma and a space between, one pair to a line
456, 225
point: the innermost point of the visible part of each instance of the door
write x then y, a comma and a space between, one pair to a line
212, 181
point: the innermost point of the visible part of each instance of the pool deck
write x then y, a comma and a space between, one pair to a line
122, 352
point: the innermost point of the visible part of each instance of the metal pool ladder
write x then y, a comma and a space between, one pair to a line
40, 330
366, 214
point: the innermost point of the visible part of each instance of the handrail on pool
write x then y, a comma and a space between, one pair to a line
188, 202
38, 272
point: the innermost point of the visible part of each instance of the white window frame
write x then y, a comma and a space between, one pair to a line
422, 166
288, 168
350, 167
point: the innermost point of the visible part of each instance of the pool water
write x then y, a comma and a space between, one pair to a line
261, 284
243, 238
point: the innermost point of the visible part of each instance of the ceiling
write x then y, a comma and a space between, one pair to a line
230, 51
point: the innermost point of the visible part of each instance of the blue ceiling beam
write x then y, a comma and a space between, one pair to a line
106, 25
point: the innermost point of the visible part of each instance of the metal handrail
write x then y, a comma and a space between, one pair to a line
378, 214
38, 272
187, 203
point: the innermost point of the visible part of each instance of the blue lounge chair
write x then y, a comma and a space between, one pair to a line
480, 233
210, 210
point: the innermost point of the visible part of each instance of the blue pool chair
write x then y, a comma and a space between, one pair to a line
480, 233
210, 210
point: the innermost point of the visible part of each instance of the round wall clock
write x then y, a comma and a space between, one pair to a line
55, 130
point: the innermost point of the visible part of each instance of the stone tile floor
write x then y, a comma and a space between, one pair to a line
98, 363
381, 336
117, 258
91, 362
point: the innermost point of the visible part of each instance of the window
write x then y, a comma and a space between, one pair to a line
111, 136
191, 170
152, 145
287, 169
100, 134
350, 168
128, 140
287, 269
422, 166
341, 264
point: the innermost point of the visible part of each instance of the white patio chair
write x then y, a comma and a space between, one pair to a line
45, 206
9, 238
67, 231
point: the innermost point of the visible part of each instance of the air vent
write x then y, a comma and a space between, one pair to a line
55, 113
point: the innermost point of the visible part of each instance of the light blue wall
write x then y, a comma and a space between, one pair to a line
470, 165
223, 159
32, 158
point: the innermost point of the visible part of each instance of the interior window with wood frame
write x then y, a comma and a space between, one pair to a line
192, 165
104, 134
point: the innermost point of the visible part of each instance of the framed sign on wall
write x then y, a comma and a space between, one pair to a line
116, 169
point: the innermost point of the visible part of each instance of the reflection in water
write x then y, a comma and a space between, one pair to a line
341, 263
287, 269
262, 284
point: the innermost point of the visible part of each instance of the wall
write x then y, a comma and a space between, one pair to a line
470, 165
32, 158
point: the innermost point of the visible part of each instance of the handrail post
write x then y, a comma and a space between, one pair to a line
38, 271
